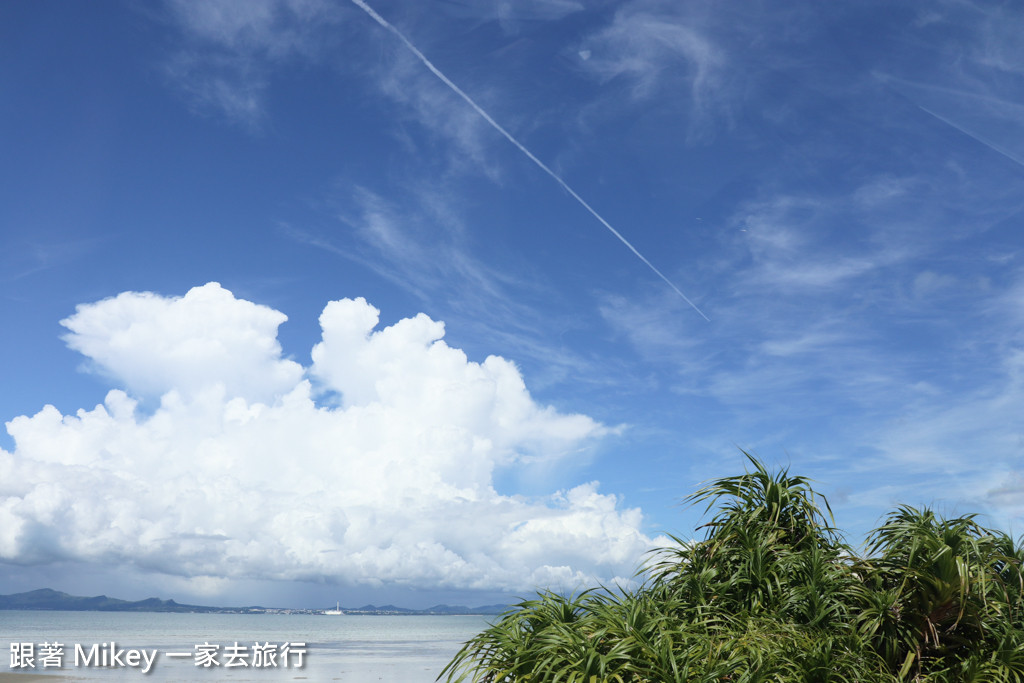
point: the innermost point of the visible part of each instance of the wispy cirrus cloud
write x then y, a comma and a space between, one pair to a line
961, 63
23, 258
513, 14
960, 436
655, 48
432, 106
700, 61
519, 145
900, 398
811, 241
792, 242
273, 28
646, 43
419, 242
879, 315
229, 50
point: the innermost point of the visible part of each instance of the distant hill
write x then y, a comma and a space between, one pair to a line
48, 599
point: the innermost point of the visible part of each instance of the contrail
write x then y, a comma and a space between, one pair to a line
994, 147
508, 136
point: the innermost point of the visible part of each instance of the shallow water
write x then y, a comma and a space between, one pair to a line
354, 649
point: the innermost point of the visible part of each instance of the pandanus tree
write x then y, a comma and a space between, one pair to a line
769, 549
773, 593
944, 598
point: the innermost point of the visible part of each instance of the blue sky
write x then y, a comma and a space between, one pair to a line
290, 320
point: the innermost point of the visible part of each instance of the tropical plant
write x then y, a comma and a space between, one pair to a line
773, 593
945, 596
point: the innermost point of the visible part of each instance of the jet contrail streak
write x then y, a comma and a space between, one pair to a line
990, 145
508, 136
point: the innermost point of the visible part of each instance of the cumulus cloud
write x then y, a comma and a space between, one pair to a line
248, 469
151, 344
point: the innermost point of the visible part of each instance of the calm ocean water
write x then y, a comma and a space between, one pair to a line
353, 649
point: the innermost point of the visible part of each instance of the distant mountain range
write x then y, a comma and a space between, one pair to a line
48, 599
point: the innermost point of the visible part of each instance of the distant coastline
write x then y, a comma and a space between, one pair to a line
52, 600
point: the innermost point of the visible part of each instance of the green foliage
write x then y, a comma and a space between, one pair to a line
946, 597
773, 593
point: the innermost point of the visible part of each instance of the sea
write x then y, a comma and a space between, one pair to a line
232, 647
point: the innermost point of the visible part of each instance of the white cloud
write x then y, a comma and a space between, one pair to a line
966, 69
655, 47
229, 48
151, 344
274, 27
227, 480
812, 242
221, 84
423, 245
513, 13
644, 44
434, 106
